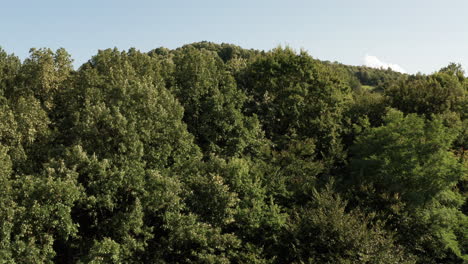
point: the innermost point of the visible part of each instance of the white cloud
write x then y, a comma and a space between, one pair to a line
374, 62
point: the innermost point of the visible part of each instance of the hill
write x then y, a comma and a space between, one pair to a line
211, 153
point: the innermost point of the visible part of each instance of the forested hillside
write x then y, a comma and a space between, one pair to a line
211, 153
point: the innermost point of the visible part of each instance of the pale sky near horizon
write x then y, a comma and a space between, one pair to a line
412, 36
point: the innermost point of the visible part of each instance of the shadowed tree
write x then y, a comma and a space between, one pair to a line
295, 98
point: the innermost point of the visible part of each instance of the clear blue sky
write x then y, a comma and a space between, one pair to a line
421, 35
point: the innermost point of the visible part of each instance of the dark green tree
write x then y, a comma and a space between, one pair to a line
295, 98
213, 105
434, 94
325, 232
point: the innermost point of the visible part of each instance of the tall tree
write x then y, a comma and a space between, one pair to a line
295, 97
409, 158
213, 104
120, 114
44, 74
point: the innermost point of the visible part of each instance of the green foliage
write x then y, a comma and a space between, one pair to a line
225, 51
375, 77
211, 199
291, 174
119, 113
434, 94
296, 98
9, 68
43, 74
324, 232
213, 105
105, 251
410, 158
7, 206
408, 155
211, 153
367, 105
35, 210
8, 130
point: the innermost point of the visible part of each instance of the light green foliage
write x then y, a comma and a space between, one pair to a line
32, 120
122, 114
408, 155
111, 205
43, 74
9, 68
410, 158
7, 206
447, 223
192, 241
8, 129
23, 124
35, 210
105, 251
33, 129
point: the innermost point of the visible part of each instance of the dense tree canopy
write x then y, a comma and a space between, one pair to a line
211, 153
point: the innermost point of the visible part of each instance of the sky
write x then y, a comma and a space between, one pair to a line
409, 36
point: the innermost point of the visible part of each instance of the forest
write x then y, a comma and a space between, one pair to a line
211, 153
